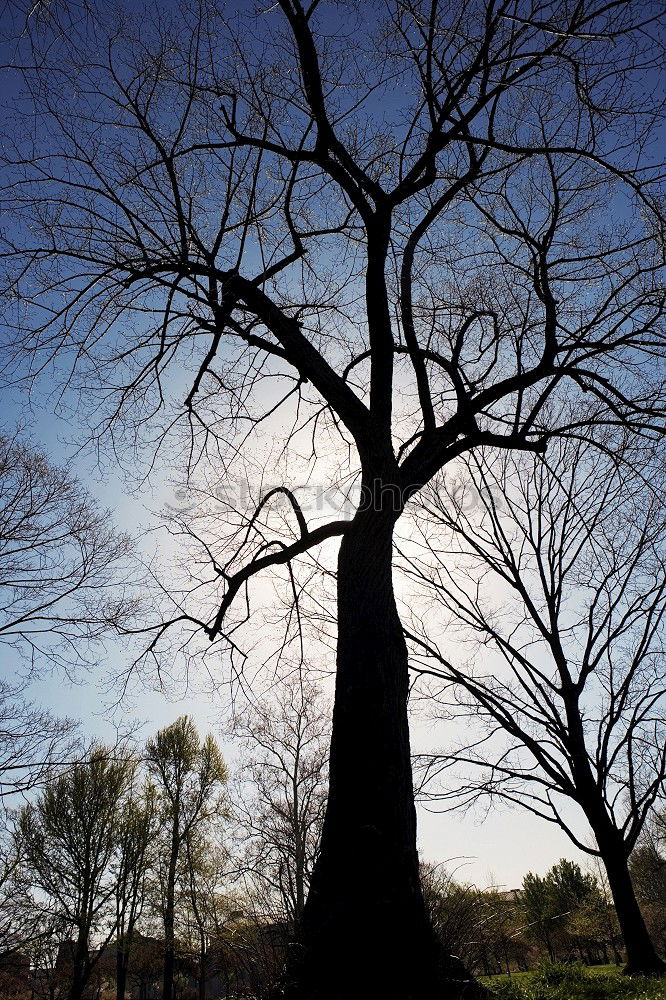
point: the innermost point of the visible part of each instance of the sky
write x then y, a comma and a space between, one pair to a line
495, 847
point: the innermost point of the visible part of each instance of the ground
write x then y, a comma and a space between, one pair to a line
576, 982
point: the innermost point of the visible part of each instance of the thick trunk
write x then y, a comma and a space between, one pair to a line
641, 954
299, 876
365, 932
121, 983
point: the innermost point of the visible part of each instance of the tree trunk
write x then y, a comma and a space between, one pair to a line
169, 913
203, 967
79, 977
365, 932
122, 962
167, 975
549, 945
641, 954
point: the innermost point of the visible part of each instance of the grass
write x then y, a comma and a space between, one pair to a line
575, 982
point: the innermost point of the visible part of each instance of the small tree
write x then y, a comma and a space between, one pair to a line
648, 873
189, 775
452, 908
571, 889
68, 839
480, 926
557, 567
567, 913
204, 905
593, 926
282, 794
540, 911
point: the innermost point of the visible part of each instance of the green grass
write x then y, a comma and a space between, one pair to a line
575, 982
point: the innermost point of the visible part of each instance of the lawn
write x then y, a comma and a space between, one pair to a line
575, 982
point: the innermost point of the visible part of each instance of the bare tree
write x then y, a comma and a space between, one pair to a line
282, 792
397, 222
559, 570
58, 557
32, 741
60, 562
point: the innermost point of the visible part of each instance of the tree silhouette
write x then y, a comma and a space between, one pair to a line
282, 796
560, 571
60, 562
396, 221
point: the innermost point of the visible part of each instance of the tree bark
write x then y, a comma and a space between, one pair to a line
365, 932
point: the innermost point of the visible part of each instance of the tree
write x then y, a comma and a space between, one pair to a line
282, 795
560, 570
189, 774
648, 873
499, 929
68, 839
456, 912
59, 563
593, 926
17, 915
480, 926
567, 912
32, 741
131, 867
408, 243
59, 560
538, 904
571, 889
205, 904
